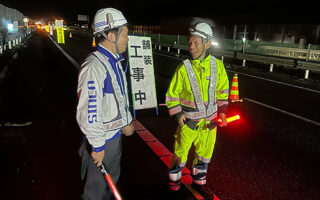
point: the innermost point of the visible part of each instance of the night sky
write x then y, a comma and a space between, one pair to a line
153, 12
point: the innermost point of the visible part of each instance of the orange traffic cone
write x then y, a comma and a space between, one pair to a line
234, 93
70, 35
94, 42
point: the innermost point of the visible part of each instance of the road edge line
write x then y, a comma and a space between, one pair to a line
145, 135
66, 54
283, 111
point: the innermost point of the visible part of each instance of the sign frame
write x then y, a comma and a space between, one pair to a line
143, 85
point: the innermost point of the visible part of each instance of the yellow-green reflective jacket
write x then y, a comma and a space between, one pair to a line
197, 88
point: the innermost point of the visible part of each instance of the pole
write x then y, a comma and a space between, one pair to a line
235, 32
306, 75
110, 182
271, 67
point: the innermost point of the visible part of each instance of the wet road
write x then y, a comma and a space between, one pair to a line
39, 161
268, 154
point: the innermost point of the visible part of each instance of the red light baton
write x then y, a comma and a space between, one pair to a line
229, 119
110, 182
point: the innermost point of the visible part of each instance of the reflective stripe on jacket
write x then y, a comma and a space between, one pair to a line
211, 78
103, 103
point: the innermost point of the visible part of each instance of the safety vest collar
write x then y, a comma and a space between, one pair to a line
122, 102
201, 63
112, 58
202, 110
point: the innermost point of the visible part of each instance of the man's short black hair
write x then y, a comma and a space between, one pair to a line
99, 37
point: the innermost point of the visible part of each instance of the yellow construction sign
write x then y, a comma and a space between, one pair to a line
47, 28
60, 35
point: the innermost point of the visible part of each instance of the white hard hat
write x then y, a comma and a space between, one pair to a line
202, 30
106, 19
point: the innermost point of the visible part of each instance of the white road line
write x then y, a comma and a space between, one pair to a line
285, 112
287, 84
75, 38
174, 57
66, 54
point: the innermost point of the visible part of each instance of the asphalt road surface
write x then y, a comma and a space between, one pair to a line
272, 152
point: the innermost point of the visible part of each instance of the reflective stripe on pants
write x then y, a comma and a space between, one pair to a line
203, 139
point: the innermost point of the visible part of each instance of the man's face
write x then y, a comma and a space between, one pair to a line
123, 39
195, 46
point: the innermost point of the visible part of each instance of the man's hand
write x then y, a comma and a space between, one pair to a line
182, 120
224, 120
97, 157
128, 130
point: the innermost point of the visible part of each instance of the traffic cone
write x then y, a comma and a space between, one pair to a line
234, 93
93, 42
70, 35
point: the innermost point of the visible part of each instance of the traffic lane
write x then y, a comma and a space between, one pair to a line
291, 99
41, 83
163, 66
266, 154
279, 73
78, 46
11, 87
40, 161
298, 101
46, 152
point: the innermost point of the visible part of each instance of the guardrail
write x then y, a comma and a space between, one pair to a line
286, 50
270, 55
307, 66
80, 31
306, 54
9, 41
264, 59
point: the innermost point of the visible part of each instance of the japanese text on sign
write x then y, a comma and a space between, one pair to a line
142, 73
60, 35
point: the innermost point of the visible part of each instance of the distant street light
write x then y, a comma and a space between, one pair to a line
25, 20
244, 44
214, 43
10, 27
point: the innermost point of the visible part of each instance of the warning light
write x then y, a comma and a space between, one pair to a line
230, 119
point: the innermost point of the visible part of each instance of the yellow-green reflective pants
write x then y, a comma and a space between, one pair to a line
203, 139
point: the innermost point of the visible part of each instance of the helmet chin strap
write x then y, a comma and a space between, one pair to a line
203, 53
117, 38
116, 41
